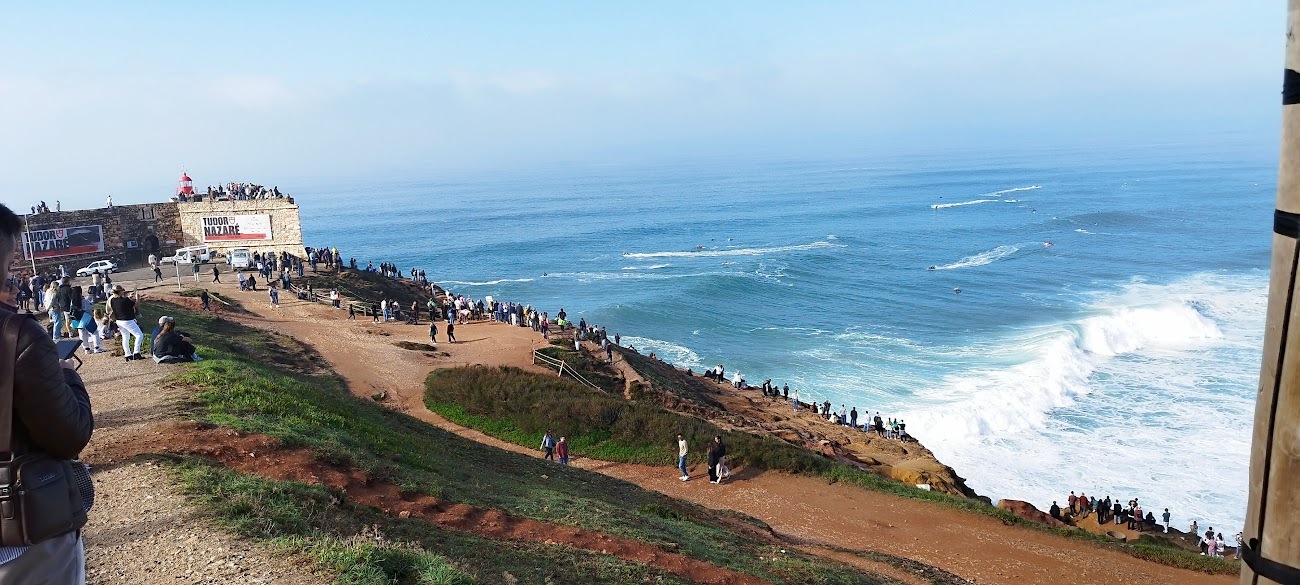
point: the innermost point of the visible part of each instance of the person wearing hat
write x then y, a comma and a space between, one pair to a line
125, 310
163, 320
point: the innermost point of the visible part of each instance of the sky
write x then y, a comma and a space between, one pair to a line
99, 98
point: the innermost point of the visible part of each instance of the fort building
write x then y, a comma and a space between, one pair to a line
128, 234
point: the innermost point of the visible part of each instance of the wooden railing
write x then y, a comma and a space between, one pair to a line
563, 367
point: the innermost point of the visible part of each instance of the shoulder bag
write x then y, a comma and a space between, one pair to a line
39, 498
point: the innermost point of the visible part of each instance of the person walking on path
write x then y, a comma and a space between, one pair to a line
352, 311
216, 275
433, 333
203, 296
548, 445
451, 332
374, 312
562, 451
157, 273
274, 294
681, 456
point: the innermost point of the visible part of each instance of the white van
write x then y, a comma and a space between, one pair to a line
240, 258
190, 255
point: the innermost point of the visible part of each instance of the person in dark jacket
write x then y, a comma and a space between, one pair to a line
51, 415
173, 344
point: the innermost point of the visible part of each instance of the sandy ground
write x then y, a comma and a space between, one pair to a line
809, 510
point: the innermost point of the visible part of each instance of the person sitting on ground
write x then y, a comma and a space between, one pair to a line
1055, 510
172, 345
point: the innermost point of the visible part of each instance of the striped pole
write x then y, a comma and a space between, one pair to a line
1272, 535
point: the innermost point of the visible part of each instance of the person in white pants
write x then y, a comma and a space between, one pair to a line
124, 313
89, 327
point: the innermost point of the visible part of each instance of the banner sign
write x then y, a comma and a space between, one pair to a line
55, 242
236, 228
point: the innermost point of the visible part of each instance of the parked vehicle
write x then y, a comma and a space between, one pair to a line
190, 255
104, 266
240, 258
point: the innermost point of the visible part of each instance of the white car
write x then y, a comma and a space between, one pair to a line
105, 266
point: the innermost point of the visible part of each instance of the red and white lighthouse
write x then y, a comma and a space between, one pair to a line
186, 186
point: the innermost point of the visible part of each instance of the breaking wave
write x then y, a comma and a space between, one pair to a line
982, 258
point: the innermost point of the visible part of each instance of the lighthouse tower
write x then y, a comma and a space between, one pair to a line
186, 187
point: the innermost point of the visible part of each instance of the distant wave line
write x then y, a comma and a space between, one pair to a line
981, 259
973, 202
734, 252
1016, 190
487, 283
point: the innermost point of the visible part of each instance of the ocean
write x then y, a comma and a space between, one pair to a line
1106, 338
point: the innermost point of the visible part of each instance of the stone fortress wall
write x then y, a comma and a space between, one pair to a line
129, 233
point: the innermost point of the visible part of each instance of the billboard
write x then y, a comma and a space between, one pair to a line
64, 241
236, 228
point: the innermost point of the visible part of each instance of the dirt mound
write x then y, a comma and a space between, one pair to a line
263, 456
1028, 512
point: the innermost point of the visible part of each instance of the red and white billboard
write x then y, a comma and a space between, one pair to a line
69, 241
236, 228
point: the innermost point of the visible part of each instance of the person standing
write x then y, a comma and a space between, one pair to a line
853, 417
681, 456
795, 404
157, 273
562, 451
1165, 518
433, 333
125, 310
451, 332
50, 415
713, 460
548, 445
203, 296
721, 454
352, 311
274, 294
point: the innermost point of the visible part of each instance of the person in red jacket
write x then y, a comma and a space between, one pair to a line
562, 450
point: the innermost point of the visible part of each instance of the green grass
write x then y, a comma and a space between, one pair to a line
362, 546
518, 407
236, 387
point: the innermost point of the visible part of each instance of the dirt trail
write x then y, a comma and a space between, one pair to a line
805, 509
142, 530
263, 456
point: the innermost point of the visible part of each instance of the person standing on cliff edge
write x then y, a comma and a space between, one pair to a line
51, 415
681, 456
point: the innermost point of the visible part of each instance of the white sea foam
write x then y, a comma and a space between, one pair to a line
1016, 190
486, 283
655, 267
982, 258
1148, 396
678, 355
1083, 231
963, 203
731, 251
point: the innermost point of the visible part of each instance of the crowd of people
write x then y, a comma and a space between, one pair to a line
1133, 517
233, 192
41, 207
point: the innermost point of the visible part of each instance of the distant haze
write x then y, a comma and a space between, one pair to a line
102, 98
